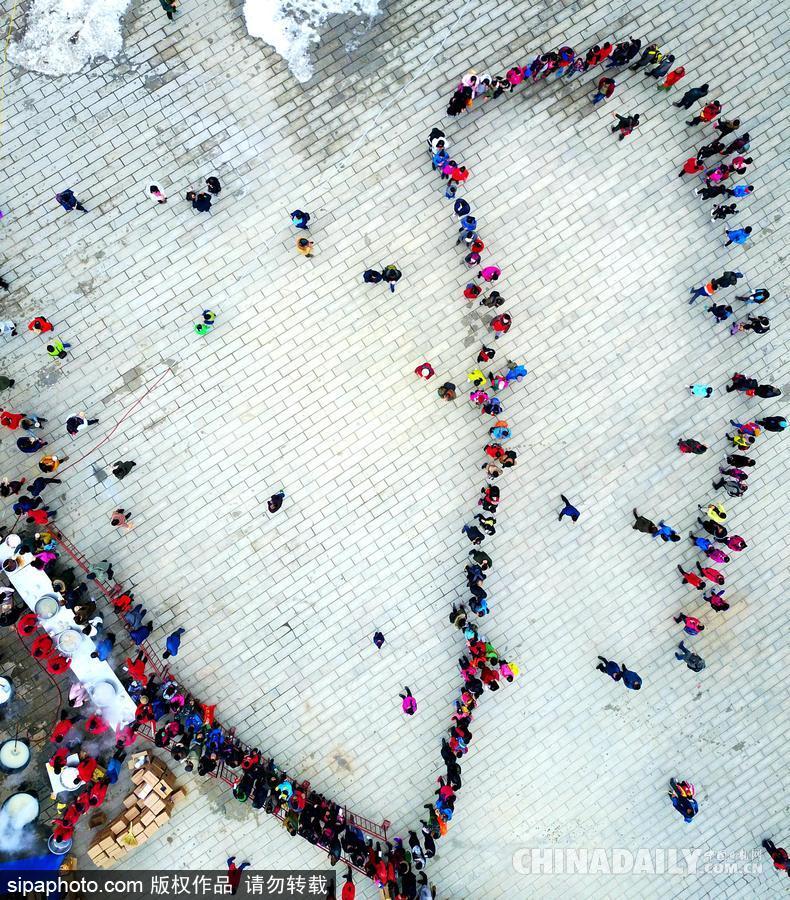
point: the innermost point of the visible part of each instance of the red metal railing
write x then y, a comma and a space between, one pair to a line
158, 665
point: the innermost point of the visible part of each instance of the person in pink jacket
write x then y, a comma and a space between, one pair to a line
408, 703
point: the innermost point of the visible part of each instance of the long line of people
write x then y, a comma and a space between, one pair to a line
177, 722
482, 666
734, 473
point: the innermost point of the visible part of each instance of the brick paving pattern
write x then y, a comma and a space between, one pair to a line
306, 384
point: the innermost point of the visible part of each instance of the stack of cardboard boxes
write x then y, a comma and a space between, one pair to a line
147, 808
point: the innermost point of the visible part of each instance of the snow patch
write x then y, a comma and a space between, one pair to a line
293, 27
61, 37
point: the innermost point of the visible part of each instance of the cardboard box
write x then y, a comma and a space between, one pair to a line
163, 790
138, 760
151, 829
137, 776
162, 819
118, 827
145, 789
178, 796
150, 777
107, 843
129, 801
147, 817
156, 765
155, 803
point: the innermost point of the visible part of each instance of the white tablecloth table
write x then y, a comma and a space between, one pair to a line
31, 583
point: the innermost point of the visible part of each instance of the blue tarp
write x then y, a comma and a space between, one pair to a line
41, 865
47, 863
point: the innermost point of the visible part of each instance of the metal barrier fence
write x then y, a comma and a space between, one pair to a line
158, 665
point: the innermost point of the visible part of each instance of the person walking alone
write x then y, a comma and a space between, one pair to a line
68, 201
304, 246
120, 519
408, 704
173, 643
692, 660
568, 510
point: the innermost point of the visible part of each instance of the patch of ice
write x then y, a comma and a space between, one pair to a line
61, 37
293, 28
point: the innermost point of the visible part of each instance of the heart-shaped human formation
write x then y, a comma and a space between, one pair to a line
179, 723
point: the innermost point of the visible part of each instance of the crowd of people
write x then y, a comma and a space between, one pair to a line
185, 727
178, 723
729, 161
482, 666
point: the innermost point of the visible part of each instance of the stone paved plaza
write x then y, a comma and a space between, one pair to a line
307, 384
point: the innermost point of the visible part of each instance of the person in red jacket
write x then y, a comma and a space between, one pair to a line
490, 678
349, 891
72, 815
691, 167
27, 624
605, 90
40, 325
87, 766
711, 574
458, 175
82, 802
96, 725
778, 855
604, 53
672, 78
234, 873
425, 370
63, 727
501, 324
251, 759
691, 624
690, 445
58, 759
40, 516
144, 713
97, 793
61, 831
136, 668
122, 602
10, 420
58, 664
41, 647
707, 114
692, 578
